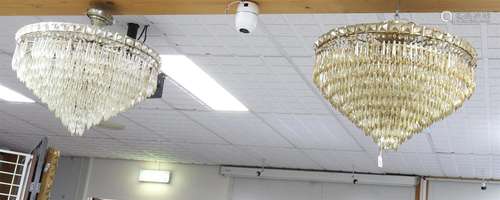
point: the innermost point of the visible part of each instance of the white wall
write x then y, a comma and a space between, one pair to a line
70, 179
252, 189
78, 178
117, 179
439, 190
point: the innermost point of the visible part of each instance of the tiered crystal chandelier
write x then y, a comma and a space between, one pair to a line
394, 78
84, 73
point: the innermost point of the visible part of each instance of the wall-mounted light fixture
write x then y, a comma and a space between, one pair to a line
154, 176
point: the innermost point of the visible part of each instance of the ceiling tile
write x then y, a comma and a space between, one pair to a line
240, 128
172, 125
312, 131
283, 157
344, 160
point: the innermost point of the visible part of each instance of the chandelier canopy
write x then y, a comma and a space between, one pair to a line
84, 73
394, 78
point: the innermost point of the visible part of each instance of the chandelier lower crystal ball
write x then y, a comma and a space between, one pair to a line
394, 78
84, 73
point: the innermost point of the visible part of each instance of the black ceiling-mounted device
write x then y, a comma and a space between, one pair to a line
159, 87
132, 30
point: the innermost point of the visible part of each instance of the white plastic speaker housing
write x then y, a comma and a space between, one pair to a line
246, 17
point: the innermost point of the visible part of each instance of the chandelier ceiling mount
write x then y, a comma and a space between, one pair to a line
100, 17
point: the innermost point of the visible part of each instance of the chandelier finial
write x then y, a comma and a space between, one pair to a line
380, 161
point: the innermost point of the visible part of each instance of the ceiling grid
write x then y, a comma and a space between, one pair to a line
484, 49
179, 50
327, 105
309, 84
289, 123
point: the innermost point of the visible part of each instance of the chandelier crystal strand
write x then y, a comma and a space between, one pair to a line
84, 73
394, 78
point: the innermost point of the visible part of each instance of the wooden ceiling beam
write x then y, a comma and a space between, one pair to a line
164, 7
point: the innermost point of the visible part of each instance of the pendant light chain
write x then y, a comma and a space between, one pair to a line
396, 13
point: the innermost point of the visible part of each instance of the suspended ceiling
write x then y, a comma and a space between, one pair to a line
289, 124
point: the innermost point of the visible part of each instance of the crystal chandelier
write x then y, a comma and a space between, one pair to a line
394, 78
84, 73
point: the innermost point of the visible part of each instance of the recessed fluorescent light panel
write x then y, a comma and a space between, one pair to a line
185, 72
154, 176
12, 96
